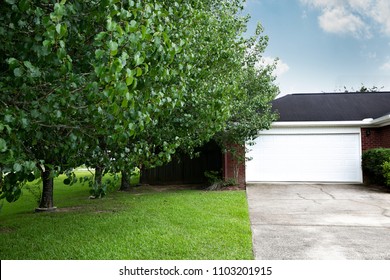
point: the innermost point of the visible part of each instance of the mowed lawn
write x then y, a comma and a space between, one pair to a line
142, 224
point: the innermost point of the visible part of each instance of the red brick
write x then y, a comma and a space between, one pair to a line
375, 138
234, 164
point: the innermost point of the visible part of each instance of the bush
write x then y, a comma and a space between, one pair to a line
217, 182
376, 166
386, 173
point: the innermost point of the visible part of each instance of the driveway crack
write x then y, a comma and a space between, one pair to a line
302, 197
325, 192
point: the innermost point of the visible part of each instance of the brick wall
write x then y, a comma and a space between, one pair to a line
233, 166
386, 136
375, 138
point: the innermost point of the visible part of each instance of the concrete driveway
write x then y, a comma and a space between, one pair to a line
319, 221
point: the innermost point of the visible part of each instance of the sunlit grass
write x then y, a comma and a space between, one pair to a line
140, 224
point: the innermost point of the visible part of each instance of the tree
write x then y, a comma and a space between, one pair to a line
72, 79
228, 94
212, 84
251, 109
119, 84
41, 104
363, 89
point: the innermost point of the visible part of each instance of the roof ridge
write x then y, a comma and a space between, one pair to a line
335, 93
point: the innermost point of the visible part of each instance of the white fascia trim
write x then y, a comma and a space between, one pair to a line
382, 121
379, 122
320, 124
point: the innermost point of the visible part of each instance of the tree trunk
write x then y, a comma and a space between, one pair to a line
125, 181
98, 176
46, 203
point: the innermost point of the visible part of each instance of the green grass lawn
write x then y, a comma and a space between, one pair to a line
141, 224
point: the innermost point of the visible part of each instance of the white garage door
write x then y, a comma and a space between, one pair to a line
311, 155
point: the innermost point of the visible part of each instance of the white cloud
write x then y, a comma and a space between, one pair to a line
281, 67
338, 20
353, 17
381, 14
320, 4
360, 4
263, 61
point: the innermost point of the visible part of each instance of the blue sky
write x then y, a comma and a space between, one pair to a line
324, 45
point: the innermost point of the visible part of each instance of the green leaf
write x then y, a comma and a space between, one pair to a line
166, 38
133, 26
128, 96
47, 43
64, 30
18, 72
138, 59
139, 71
124, 103
111, 25
8, 118
131, 126
143, 31
28, 64
24, 122
12, 62
61, 53
129, 80
58, 114
58, 28
17, 194
29, 165
100, 36
129, 77
59, 12
113, 46
119, 30
3, 145
33, 71
17, 167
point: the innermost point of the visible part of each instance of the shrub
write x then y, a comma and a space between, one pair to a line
386, 172
217, 182
376, 166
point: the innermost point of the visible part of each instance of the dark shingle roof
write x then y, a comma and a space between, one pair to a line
332, 106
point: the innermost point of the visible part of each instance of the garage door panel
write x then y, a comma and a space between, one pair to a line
328, 157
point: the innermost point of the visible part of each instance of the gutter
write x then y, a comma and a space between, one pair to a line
382, 121
379, 122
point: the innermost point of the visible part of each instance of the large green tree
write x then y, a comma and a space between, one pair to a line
228, 92
118, 84
73, 82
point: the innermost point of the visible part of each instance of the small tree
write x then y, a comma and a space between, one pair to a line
251, 109
363, 89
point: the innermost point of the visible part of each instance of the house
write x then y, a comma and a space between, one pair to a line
320, 137
317, 138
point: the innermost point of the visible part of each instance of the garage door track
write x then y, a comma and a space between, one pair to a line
319, 221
